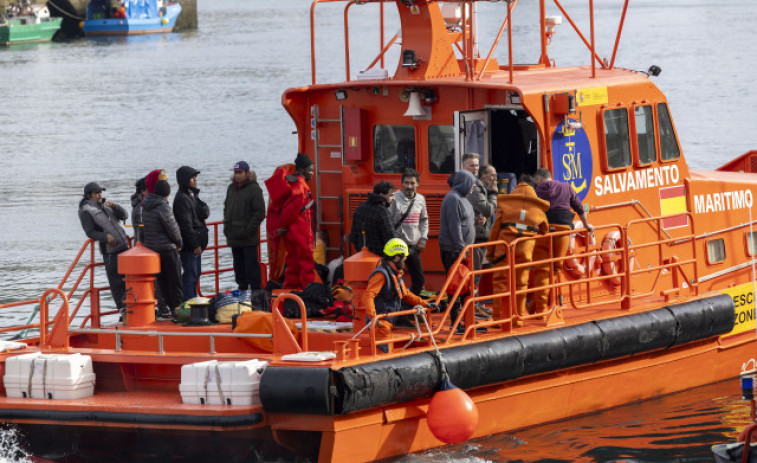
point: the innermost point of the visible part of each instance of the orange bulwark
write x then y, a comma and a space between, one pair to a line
665, 287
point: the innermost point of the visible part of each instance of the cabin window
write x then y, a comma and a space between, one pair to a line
617, 141
668, 144
441, 149
751, 243
715, 251
645, 136
393, 148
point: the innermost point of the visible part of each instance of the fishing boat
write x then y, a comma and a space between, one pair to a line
27, 23
665, 289
130, 17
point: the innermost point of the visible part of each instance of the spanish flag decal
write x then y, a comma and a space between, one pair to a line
672, 202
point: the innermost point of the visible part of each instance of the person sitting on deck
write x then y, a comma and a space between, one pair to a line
386, 291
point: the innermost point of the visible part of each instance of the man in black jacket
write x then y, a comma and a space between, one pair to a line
243, 212
190, 213
162, 235
99, 219
371, 220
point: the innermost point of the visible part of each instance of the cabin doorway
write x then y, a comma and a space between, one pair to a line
503, 137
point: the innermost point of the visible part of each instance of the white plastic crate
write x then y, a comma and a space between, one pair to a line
216, 383
49, 376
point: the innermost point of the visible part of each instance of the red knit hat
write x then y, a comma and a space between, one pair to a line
153, 177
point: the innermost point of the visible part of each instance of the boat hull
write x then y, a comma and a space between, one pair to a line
128, 26
15, 33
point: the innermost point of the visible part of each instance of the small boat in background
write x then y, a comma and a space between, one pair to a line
27, 23
131, 17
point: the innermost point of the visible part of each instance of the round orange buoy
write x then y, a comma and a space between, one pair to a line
452, 416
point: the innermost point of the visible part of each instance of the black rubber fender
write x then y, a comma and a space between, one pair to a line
322, 391
307, 389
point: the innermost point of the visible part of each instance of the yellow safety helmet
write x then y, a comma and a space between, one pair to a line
396, 246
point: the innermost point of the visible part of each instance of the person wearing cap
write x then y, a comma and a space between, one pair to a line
296, 226
386, 290
243, 212
99, 219
161, 234
190, 213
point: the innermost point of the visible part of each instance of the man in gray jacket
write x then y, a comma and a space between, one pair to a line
161, 234
409, 217
99, 219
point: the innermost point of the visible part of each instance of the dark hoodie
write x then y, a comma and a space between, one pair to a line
457, 219
190, 211
160, 231
372, 217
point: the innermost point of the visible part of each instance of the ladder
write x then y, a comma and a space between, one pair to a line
316, 124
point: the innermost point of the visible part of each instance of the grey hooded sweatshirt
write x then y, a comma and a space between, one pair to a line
457, 224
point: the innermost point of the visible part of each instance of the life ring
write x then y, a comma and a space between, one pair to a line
574, 265
609, 242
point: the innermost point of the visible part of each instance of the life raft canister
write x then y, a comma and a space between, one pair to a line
609, 242
575, 266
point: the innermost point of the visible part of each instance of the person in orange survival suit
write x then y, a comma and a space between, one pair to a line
520, 213
296, 226
279, 190
562, 198
386, 291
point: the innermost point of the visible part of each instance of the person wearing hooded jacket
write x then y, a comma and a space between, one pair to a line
243, 212
162, 235
370, 222
520, 213
136, 208
457, 219
99, 219
190, 213
296, 226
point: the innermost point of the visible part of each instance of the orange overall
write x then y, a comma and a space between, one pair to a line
540, 273
297, 220
520, 213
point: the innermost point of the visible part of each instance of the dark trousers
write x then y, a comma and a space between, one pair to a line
246, 267
414, 268
115, 279
169, 279
449, 258
191, 266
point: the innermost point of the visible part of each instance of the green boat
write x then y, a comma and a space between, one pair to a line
27, 23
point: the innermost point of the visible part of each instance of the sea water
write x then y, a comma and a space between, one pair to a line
110, 110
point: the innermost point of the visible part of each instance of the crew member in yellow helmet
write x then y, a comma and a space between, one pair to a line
386, 291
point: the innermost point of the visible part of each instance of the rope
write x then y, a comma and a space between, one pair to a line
442, 368
64, 12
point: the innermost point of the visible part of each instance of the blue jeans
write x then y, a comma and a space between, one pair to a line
192, 268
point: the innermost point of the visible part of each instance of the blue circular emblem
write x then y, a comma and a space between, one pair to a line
571, 158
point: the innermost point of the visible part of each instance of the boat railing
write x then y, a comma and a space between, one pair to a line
675, 257
465, 38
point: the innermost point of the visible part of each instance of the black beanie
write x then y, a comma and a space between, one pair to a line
162, 188
302, 161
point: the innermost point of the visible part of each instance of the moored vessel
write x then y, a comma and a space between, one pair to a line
131, 17
27, 23
610, 344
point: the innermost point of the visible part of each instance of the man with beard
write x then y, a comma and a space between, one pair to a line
409, 218
386, 292
99, 219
